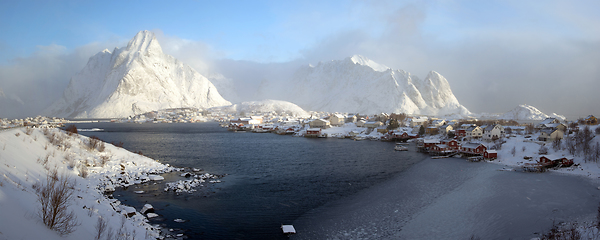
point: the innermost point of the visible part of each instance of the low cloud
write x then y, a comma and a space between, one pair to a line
40, 79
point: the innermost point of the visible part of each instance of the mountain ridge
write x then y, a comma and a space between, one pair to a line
354, 84
132, 80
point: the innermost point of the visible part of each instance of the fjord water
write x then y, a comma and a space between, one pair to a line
270, 179
341, 189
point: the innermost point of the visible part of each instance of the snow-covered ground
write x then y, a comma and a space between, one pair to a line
530, 147
26, 155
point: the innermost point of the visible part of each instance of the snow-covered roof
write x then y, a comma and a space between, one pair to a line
431, 141
555, 157
548, 120
471, 145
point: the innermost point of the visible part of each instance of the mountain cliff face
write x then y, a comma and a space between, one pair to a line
360, 85
528, 112
136, 79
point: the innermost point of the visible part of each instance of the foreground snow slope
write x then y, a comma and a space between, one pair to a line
22, 164
133, 80
359, 85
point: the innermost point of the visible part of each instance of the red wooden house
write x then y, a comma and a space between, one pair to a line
453, 144
490, 154
473, 148
553, 160
313, 132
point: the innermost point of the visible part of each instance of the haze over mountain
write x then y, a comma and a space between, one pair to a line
359, 85
133, 80
528, 112
141, 78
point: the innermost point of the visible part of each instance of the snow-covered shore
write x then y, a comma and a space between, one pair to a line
27, 154
529, 147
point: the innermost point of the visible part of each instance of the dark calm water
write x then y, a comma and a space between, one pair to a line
270, 179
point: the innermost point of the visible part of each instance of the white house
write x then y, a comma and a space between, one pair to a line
493, 132
550, 134
319, 123
337, 120
473, 132
418, 121
373, 124
361, 123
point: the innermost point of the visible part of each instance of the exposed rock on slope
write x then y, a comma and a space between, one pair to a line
133, 80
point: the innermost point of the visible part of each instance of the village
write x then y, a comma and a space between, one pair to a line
552, 143
547, 144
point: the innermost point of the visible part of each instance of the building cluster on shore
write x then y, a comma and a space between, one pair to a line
470, 138
39, 121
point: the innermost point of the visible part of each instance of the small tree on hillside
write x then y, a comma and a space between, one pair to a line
421, 130
556, 144
451, 134
71, 129
55, 196
393, 124
543, 150
513, 151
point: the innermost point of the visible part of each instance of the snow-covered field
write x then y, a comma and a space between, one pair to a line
26, 156
530, 147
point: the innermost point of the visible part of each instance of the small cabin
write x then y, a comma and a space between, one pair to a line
554, 161
490, 154
313, 132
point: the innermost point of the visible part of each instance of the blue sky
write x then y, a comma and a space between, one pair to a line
484, 48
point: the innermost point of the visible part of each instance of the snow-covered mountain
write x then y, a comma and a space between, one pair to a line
528, 112
132, 80
264, 106
357, 84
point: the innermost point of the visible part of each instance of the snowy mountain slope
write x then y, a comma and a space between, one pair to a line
357, 84
264, 106
528, 112
132, 80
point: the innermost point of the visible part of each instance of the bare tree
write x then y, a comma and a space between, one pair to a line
556, 144
543, 150
55, 197
83, 170
101, 226
513, 151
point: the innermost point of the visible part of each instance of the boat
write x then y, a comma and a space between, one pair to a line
400, 148
288, 229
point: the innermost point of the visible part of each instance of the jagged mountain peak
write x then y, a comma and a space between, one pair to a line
361, 60
136, 79
144, 41
347, 86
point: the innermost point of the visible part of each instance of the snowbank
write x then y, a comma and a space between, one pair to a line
27, 154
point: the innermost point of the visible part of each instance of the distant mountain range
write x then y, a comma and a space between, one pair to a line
141, 78
528, 112
360, 85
